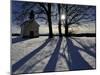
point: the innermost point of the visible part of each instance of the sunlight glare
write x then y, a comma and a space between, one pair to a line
62, 17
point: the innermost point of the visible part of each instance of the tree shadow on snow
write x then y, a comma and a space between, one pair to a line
86, 49
75, 61
51, 65
30, 67
22, 61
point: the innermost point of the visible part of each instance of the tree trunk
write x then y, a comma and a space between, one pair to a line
59, 23
66, 24
49, 21
66, 30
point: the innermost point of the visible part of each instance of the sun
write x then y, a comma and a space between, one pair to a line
63, 17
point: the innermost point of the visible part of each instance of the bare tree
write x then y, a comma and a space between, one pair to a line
43, 12
47, 9
77, 14
59, 22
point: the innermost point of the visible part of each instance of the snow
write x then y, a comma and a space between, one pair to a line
57, 54
20, 49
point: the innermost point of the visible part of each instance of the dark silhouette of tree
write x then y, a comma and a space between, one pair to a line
43, 12
59, 22
77, 14
66, 23
47, 10
49, 21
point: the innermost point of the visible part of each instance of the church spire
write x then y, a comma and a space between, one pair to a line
31, 15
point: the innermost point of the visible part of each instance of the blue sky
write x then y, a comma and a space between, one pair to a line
17, 7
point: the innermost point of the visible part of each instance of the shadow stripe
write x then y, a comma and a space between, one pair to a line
22, 61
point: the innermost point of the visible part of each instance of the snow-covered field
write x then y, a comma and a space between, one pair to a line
57, 54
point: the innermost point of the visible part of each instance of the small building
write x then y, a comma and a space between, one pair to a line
30, 29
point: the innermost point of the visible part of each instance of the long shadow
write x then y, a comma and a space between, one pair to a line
30, 67
18, 39
86, 49
22, 61
50, 67
64, 56
76, 62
